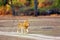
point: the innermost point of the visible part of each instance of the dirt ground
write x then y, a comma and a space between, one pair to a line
46, 25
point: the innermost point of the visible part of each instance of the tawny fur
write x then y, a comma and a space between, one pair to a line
23, 27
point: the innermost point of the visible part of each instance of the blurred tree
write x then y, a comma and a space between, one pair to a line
28, 2
35, 7
5, 2
58, 3
0, 2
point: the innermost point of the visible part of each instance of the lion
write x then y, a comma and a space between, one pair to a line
23, 27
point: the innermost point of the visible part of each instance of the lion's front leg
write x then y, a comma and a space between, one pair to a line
18, 30
25, 31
